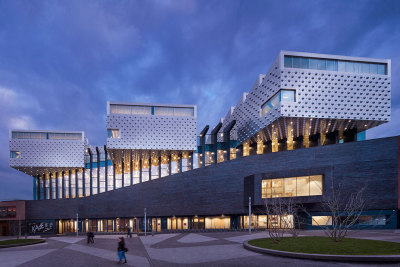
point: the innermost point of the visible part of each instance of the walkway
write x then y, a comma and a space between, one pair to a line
194, 249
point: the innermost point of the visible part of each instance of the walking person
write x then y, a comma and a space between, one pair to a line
129, 232
90, 236
121, 250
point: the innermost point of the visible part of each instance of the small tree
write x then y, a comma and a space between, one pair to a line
284, 211
345, 211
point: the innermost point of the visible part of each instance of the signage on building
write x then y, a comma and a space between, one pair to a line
41, 227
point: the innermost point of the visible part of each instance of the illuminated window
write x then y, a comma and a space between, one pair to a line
14, 154
282, 95
113, 133
321, 220
292, 186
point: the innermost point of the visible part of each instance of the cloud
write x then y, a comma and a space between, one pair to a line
21, 123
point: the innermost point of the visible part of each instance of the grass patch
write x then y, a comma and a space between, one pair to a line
324, 245
18, 241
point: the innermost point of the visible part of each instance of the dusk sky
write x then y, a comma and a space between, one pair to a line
60, 61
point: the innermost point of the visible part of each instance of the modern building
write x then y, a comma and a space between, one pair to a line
298, 133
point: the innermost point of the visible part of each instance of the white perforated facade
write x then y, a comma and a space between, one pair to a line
153, 132
39, 156
325, 100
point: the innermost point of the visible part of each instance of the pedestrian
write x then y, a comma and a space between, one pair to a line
129, 232
121, 250
90, 237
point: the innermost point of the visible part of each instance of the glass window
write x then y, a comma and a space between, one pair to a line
373, 68
303, 187
331, 64
113, 133
288, 61
296, 62
364, 67
342, 66
372, 220
313, 63
315, 185
277, 187
304, 63
381, 69
164, 111
349, 66
290, 187
14, 154
287, 96
102, 179
321, 64
357, 67
321, 220
110, 180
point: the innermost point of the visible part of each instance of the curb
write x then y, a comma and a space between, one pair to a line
23, 244
324, 257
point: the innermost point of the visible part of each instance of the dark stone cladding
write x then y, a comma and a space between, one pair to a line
220, 189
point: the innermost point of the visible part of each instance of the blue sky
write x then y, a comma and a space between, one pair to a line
60, 61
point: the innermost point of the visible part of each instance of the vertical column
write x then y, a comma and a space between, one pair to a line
191, 160
69, 183
131, 164
253, 149
83, 182
44, 187
123, 172
140, 169
38, 187
51, 185
149, 166
180, 161
114, 180
62, 185
76, 184
98, 169
169, 164
90, 173
56, 177
105, 169
239, 151
159, 166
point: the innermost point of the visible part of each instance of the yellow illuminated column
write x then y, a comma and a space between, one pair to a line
274, 140
306, 137
260, 146
233, 153
289, 137
220, 156
246, 149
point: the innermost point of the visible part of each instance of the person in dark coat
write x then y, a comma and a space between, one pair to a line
129, 232
90, 236
121, 250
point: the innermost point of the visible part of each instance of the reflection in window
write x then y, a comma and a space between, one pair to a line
335, 65
283, 95
113, 133
14, 154
292, 187
110, 180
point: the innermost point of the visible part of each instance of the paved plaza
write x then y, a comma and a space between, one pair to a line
175, 249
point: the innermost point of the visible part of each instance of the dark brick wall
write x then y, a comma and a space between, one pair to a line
219, 189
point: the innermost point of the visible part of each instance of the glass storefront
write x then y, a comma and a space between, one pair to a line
292, 187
